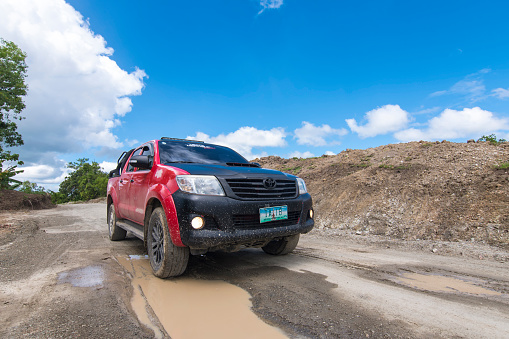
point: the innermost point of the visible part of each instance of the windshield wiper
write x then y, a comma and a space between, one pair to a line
181, 162
243, 164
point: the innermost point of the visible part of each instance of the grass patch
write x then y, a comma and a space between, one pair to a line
362, 165
504, 165
427, 144
293, 170
392, 167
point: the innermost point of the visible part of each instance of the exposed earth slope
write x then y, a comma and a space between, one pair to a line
417, 190
14, 200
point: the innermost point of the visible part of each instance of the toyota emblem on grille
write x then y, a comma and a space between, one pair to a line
269, 183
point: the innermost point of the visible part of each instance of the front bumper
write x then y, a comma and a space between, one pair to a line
231, 222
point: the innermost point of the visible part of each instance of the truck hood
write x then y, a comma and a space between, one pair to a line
229, 171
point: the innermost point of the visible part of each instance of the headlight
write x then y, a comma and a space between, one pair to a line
200, 184
302, 186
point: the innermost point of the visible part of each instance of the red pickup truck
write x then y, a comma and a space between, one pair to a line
185, 197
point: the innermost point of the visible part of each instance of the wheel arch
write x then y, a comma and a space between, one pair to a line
111, 199
160, 196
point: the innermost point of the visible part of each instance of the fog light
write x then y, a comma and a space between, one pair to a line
311, 214
197, 223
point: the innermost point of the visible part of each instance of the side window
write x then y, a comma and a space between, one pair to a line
146, 151
129, 167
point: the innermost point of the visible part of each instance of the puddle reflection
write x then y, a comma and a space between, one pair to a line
90, 276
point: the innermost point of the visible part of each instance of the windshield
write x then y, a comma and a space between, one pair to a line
197, 152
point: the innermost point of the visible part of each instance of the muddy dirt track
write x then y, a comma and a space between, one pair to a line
60, 277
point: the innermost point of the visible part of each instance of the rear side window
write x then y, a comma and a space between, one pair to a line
193, 152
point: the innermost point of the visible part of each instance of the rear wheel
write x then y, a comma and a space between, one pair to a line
115, 232
282, 246
166, 259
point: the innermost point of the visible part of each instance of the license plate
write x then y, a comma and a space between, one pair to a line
273, 213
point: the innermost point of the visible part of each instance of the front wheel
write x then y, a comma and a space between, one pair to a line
115, 232
166, 259
282, 246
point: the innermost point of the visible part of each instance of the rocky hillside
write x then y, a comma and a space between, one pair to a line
418, 190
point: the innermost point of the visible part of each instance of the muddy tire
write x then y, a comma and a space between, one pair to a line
115, 232
166, 259
282, 246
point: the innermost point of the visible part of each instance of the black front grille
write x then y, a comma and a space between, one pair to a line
210, 223
254, 189
250, 221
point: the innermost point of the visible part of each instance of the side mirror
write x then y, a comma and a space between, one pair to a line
140, 161
113, 173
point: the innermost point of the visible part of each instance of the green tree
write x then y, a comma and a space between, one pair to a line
12, 90
30, 187
85, 182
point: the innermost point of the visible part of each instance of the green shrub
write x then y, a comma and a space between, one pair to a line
492, 139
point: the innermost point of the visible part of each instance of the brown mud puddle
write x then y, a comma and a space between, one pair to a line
190, 308
439, 283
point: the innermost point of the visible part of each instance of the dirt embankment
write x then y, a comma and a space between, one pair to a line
417, 190
14, 200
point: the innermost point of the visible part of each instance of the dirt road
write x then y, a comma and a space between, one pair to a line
60, 276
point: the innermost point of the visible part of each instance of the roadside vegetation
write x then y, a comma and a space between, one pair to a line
87, 181
12, 90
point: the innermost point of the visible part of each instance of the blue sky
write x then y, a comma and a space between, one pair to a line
270, 77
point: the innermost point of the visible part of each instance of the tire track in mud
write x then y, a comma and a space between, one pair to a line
402, 275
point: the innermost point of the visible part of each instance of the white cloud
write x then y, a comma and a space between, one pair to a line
298, 154
386, 119
453, 124
310, 134
47, 176
471, 87
427, 110
501, 93
438, 93
131, 143
329, 153
77, 93
107, 166
246, 138
270, 4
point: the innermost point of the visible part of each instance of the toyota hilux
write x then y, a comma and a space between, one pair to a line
186, 197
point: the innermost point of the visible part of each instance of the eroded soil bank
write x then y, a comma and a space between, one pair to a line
417, 190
